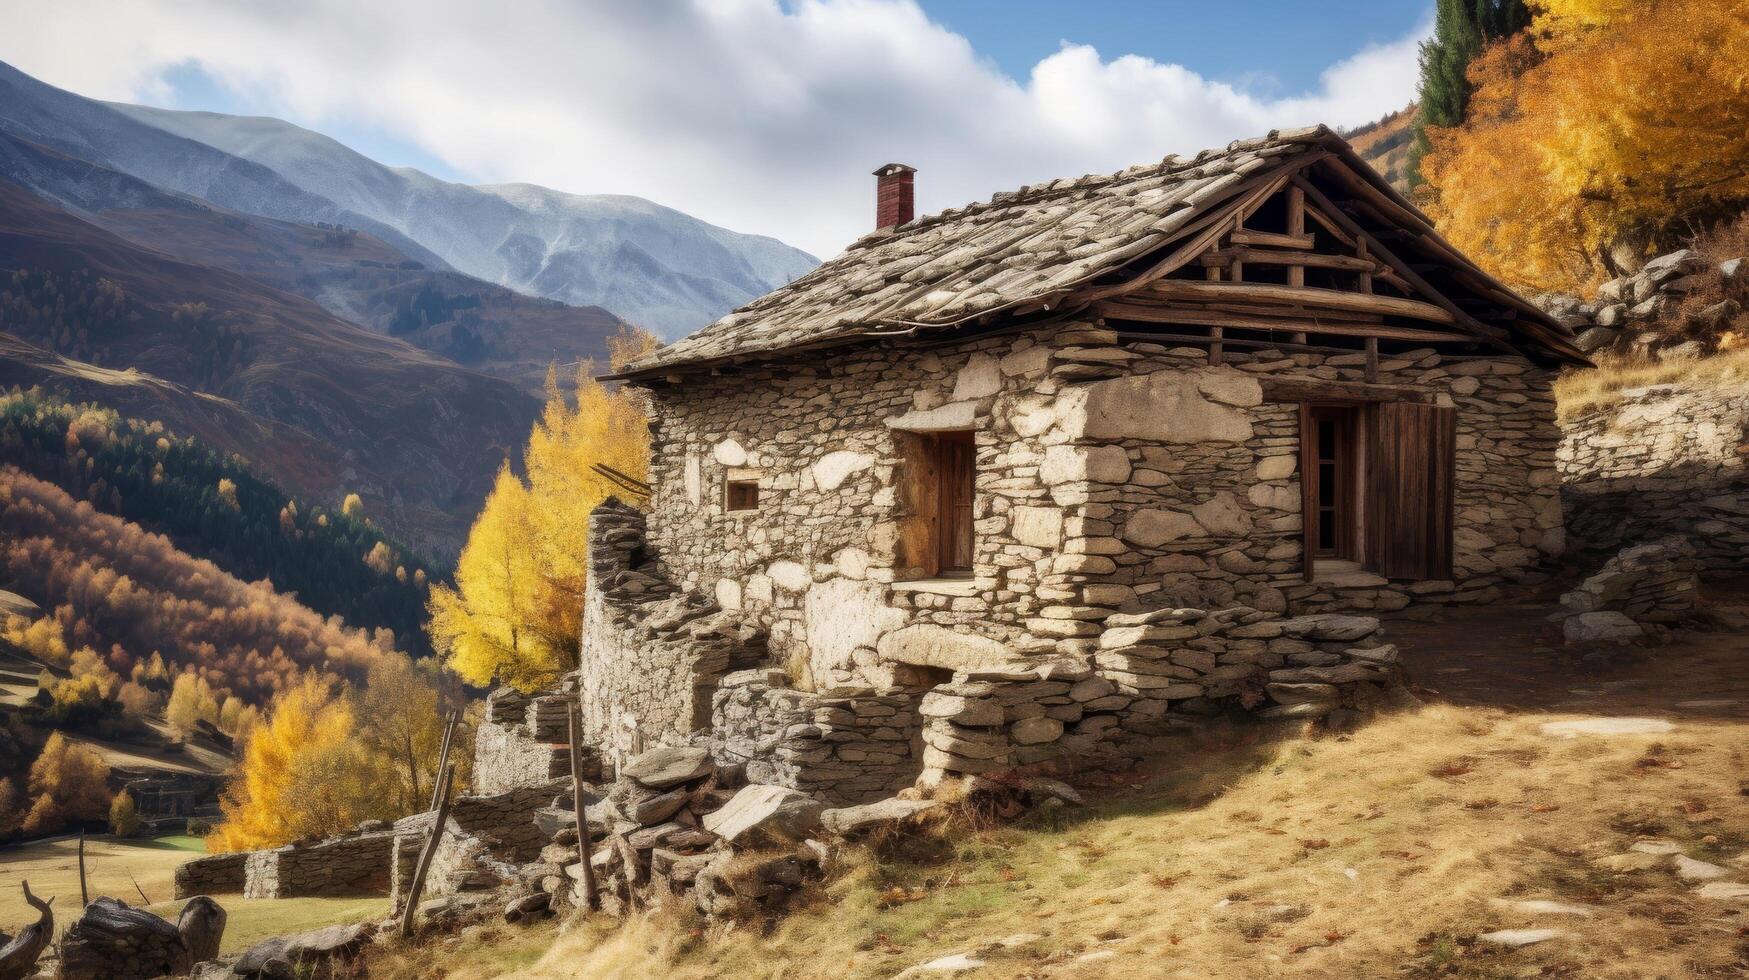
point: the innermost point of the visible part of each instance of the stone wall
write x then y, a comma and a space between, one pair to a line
842, 749
652, 654
519, 744
1666, 460
1110, 478
215, 874
356, 864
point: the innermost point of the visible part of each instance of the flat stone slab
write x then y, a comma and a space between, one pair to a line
668, 766
1656, 847
1688, 869
1516, 938
957, 963
765, 813
1724, 891
1607, 726
845, 821
1544, 906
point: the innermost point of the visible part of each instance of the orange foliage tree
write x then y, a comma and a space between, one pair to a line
1607, 132
68, 782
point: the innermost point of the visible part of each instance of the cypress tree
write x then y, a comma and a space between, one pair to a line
1460, 30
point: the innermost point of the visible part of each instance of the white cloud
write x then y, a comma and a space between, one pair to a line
747, 113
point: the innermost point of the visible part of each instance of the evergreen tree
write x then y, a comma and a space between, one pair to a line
1461, 28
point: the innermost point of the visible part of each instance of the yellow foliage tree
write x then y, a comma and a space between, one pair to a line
1607, 131
294, 778
192, 700
124, 817
515, 613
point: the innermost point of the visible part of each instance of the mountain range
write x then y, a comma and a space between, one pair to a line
656, 267
347, 326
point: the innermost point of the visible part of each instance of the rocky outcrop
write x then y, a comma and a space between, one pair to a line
1638, 313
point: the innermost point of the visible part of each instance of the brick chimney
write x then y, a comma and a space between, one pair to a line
893, 201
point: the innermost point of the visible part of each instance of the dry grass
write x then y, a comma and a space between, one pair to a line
1374, 854
111, 868
1583, 391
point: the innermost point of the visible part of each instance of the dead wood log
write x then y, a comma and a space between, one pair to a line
18, 957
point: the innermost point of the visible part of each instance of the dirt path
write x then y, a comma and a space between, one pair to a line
1499, 656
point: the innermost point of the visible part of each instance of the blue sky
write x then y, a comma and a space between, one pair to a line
763, 116
1267, 45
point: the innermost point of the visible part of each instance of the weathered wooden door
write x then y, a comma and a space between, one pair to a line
1410, 488
956, 462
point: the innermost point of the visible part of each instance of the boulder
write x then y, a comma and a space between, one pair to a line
668, 766
761, 813
528, 907
852, 820
1606, 626
317, 945
653, 810
201, 926
1595, 339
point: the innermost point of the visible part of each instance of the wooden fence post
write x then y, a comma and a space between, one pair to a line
430, 851
591, 899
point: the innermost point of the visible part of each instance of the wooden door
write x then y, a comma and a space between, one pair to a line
956, 464
1410, 490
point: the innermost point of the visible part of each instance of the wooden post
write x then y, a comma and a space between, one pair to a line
591, 899
84, 897
444, 785
1372, 359
1296, 226
443, 753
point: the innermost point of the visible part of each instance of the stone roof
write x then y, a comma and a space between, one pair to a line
1019, 249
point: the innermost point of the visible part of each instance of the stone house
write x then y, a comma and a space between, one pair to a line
973, 441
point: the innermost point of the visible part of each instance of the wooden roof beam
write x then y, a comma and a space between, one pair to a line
1217, 292
1119, 310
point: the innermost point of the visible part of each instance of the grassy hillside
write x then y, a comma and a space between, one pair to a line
215, 506
1389, 851
419, 437
1385, 145
130, 593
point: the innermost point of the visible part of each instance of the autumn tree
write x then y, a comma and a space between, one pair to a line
124, 817
1604, 133
401, 713
279, 793
1460, 30
515, 613
192, 701
68, 782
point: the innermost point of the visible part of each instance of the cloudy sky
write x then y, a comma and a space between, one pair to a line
760, 115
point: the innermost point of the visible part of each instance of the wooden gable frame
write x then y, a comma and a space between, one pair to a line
1201, 282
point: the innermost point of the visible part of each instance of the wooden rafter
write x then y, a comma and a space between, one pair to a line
1492, 335
1143, 313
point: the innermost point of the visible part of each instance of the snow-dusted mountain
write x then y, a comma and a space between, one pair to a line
651, 265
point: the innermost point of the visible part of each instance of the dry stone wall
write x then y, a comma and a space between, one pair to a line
356, 864
652, 654
519, 744
1664, 461
842, 749
215, 874
1110, 477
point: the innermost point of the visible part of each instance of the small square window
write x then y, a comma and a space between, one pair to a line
741, 495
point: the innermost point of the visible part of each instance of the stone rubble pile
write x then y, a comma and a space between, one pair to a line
1640, 589
676, 824
1654, 582
1630, 314
113, 941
